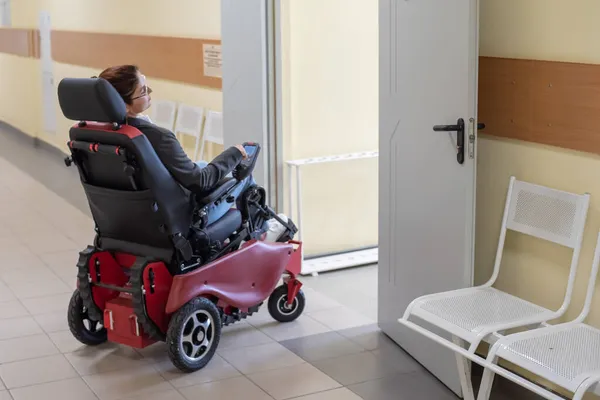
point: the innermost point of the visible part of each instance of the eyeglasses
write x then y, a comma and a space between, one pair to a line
148, 91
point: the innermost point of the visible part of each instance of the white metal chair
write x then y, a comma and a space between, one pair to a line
163, 113
480, 313
213, 130
566, 354
585, 386
189, 122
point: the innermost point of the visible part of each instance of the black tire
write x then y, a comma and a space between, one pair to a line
278, 302
191, 342
77, 315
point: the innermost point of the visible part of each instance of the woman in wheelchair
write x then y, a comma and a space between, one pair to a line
200, 177
164, 266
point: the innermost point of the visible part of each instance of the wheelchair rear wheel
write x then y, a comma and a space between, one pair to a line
193, 335
83, 328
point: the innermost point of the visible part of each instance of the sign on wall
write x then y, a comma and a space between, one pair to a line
213, 60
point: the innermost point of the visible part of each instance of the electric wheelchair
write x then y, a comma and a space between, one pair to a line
156, 270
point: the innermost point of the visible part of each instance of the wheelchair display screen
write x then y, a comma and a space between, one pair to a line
250, 150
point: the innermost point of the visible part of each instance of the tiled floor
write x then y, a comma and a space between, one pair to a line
333, 352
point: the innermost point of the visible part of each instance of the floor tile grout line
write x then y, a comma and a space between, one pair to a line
154, 366
155, 363
81, 376
179, 390
319, 392
41, 383
28, 335
50, 382
42, 263
259, 388
303, 316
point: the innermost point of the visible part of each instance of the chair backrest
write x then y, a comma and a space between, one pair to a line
213, 131
591, 284
163, 113
137, 205
547, 213
189, 120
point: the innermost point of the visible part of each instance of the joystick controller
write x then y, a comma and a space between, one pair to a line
245, 168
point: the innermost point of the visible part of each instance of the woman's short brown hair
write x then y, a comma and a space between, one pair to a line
124, 78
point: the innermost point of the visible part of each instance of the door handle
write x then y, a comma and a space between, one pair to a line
459, 128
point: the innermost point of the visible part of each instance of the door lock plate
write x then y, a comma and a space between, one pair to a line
471, 145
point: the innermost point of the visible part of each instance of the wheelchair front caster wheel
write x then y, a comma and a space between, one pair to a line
193, 335
279, 308
82, 327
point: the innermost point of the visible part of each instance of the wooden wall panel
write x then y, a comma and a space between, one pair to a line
169, 58
552, 103
19, 42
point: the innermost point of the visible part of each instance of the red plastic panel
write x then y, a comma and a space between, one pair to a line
110, 274
127, 130
122, 325
241, 279
294, 267
157, 296
125, 260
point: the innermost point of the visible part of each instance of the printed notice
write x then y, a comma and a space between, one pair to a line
213, 60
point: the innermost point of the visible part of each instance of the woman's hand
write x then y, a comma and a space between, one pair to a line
242, 150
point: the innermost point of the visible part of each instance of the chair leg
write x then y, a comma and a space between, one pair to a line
196, 149
585, 386
464, 371
201, 149
487, 382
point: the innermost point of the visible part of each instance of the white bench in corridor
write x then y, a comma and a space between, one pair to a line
482, 313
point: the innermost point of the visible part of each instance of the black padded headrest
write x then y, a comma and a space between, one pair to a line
91, 99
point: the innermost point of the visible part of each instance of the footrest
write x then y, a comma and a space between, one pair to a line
122, 324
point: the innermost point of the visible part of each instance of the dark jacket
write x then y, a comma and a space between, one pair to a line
182, 168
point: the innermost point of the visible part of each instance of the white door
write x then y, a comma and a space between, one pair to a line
428, 76
247, 37
49, 95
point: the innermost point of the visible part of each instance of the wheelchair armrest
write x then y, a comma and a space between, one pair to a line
222, 188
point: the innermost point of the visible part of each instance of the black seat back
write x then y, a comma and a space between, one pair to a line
137, 205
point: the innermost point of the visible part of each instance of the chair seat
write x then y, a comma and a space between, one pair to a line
467, 312
565, 354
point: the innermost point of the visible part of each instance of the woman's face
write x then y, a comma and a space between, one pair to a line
140, 101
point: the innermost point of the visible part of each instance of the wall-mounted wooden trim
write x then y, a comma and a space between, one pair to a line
19, 42
170, 58
546, 102
552, 103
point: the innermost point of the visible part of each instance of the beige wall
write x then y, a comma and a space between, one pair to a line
20, 93
20, 104
554, 30
331, 107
